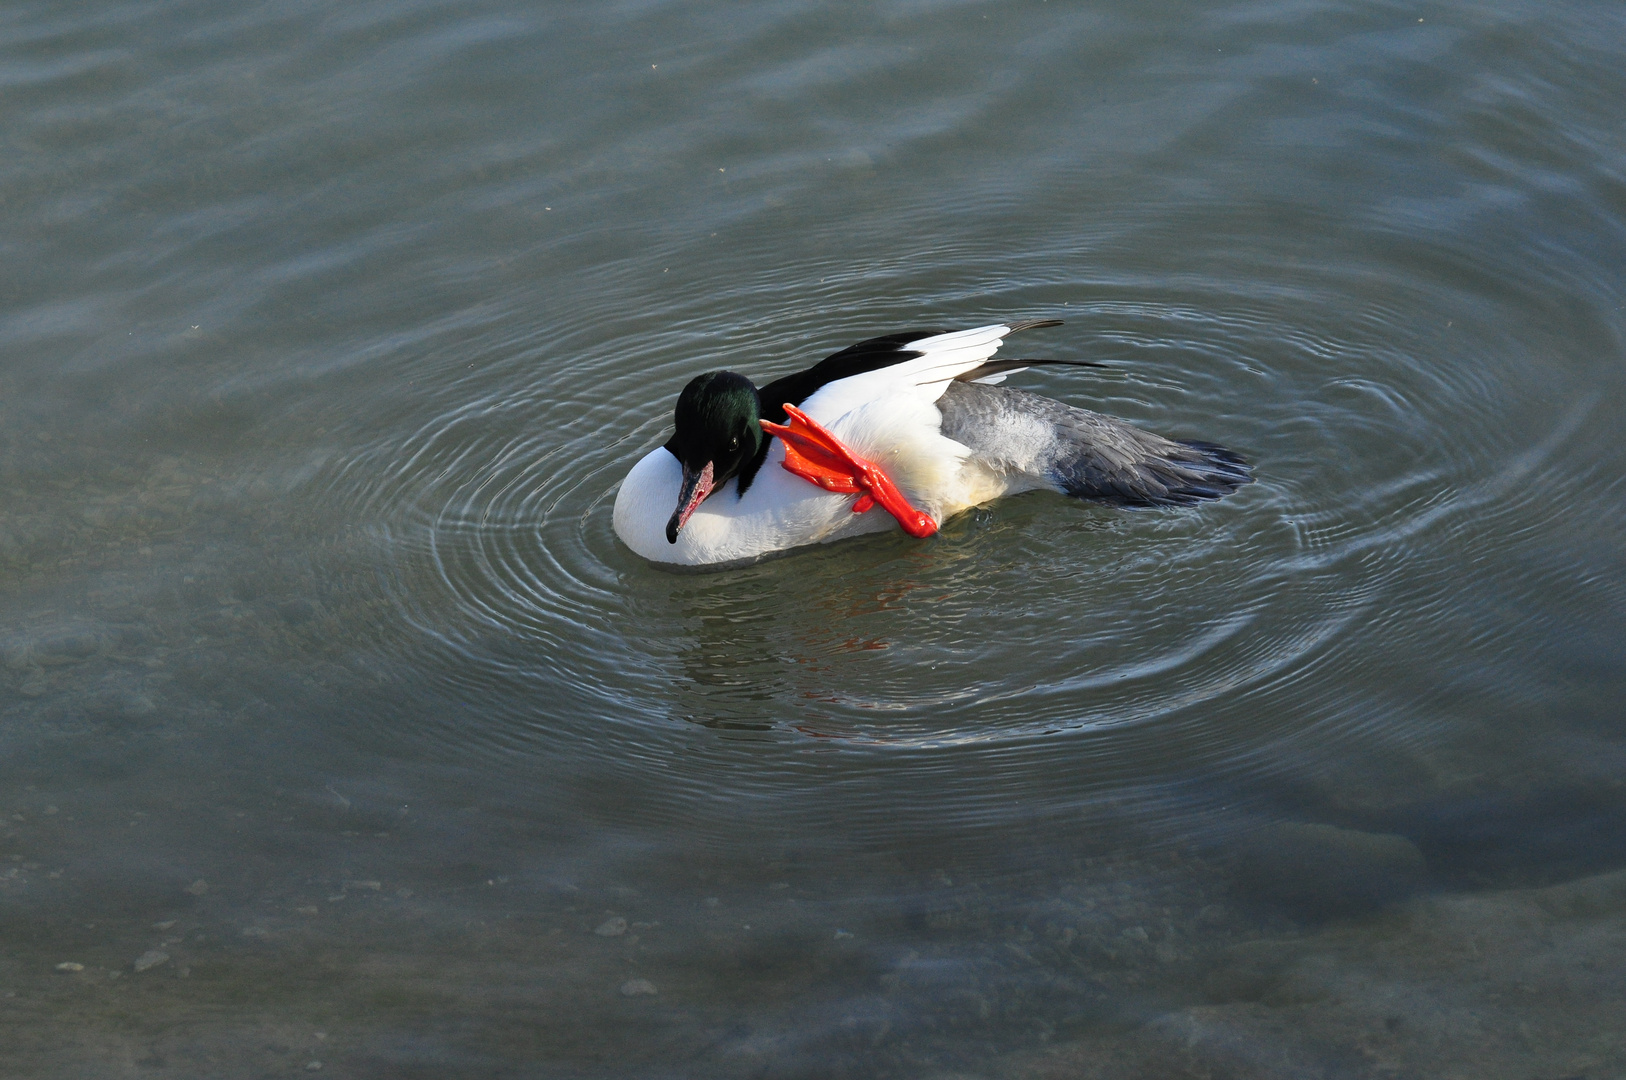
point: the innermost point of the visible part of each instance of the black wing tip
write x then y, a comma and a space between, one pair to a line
996, 367
1066, 363
1030, 324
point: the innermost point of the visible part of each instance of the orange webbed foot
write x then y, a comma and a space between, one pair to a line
818, 457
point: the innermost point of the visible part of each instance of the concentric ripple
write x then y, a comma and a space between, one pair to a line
1038, 627
1423, 371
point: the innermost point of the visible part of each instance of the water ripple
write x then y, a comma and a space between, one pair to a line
1023, 627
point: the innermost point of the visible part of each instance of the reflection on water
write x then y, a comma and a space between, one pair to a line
339, 734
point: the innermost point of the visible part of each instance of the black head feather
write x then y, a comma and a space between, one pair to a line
718, 437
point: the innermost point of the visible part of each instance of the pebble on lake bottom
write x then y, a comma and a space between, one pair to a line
638, 988
611, 927
151, 959
198, 887
68, 967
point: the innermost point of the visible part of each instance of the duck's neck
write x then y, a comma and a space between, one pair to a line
748, 471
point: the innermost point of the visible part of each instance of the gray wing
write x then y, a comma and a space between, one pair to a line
1083, 453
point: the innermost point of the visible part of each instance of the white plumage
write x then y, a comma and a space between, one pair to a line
888, 416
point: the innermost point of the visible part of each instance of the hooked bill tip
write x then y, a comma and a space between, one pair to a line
694, 490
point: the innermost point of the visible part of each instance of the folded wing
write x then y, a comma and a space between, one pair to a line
921, 364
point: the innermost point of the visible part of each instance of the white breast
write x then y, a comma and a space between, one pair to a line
898, 431
778, 511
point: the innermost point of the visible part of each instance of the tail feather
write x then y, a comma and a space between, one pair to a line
1165, 473
1087, 454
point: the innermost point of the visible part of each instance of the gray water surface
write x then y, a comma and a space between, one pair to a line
338, 732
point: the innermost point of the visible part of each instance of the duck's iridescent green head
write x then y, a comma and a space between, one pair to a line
718, 432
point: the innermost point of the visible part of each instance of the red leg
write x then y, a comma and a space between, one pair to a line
818, 457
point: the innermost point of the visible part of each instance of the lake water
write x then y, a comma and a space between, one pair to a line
338, 733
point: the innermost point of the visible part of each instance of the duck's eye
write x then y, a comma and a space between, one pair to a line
734, 443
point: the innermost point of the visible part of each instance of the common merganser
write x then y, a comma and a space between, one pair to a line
904, 430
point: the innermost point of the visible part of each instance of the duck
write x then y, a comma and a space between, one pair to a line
898, 432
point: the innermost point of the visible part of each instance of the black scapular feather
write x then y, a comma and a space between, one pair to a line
870, 355
875, 353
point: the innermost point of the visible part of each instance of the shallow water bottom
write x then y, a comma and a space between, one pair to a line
1122, 968
246, 890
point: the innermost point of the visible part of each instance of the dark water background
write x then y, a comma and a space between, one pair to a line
336, 727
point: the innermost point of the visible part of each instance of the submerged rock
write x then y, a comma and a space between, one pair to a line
68, 647
151, 959
297, 612
1510, 985
1322, 871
